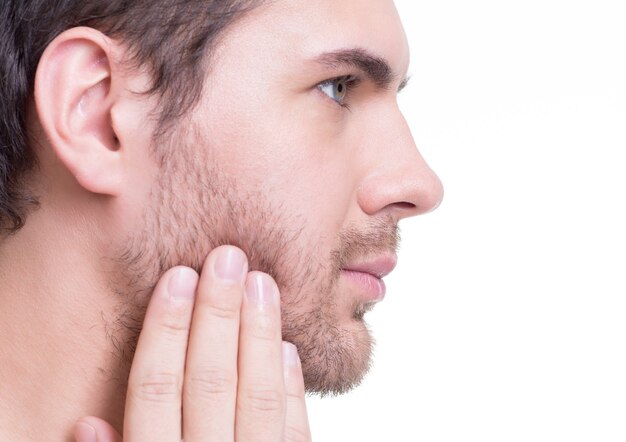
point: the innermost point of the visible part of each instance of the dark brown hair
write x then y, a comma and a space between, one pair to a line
172, 38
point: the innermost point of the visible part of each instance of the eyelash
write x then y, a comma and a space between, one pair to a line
351, 82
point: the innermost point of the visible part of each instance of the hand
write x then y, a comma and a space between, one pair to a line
216, 371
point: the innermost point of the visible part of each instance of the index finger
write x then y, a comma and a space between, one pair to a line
153, 400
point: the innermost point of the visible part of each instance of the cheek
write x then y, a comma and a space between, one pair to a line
299, 164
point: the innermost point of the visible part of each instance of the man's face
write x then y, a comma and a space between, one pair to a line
270, 161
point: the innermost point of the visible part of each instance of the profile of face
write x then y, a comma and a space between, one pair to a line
298, 154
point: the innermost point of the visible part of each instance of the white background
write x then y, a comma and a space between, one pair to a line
505, 319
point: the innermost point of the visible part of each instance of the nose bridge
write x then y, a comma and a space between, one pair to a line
398, 178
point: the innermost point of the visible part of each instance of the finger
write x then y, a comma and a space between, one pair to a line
210, 386
154, 398
297, 422
261, 401
93, 429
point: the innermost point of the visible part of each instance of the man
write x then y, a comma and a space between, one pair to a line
256, 143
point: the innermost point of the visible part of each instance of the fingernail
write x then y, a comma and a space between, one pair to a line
230, 264
182, 284
261, 290
85, 433
290, 354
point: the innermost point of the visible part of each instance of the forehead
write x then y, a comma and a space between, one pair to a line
302, 29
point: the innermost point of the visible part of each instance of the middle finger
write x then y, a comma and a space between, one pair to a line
210, 387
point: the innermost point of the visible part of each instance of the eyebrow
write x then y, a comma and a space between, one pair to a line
376, 68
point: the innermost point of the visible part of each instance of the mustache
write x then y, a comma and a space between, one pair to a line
374, 237
380, 235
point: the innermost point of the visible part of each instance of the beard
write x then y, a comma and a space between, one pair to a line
196, 206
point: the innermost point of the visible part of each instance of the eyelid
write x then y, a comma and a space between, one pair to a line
348, 78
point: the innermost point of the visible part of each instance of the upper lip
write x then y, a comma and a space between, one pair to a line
379, 266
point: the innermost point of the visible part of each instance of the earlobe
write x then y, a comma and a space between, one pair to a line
74, 98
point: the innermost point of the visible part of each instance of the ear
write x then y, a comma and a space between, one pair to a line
74, 98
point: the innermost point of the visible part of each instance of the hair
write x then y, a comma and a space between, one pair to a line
172, 39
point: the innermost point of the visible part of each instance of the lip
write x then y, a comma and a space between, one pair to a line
371, 288
367, 276
378, 267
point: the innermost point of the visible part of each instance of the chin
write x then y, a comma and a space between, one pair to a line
333, 341
337, 361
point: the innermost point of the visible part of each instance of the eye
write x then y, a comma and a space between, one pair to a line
338, 88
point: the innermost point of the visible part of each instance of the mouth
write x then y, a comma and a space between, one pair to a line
369, 286
366, 276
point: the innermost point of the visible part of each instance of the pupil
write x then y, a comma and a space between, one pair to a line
340, 88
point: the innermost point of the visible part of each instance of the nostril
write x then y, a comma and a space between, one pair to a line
405, 205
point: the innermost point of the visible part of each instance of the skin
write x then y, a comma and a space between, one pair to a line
225, 366
266, 162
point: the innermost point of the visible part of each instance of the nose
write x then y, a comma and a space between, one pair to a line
399, 181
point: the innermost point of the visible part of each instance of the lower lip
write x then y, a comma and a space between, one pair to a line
372, 287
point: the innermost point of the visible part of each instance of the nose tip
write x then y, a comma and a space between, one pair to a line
430, 194
411, 190
422, 194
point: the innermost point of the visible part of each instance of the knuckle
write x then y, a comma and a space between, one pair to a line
175, 323
157, 387
265, 328
294, 434
262, 400
296, 392
228, 312
210, 383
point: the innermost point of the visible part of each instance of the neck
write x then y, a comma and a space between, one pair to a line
57, 363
